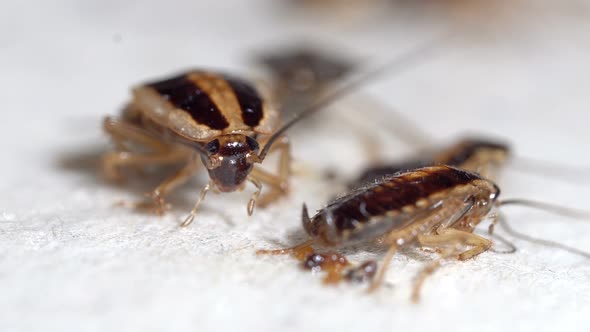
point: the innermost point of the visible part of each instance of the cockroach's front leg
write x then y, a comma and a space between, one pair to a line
452, 237
448, 240
158, 203
279, 183
164, 188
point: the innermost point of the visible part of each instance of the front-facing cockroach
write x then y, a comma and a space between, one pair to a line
199, 117
203, 117
436, 207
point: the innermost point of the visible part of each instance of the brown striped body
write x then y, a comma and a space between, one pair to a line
200, 105
394, 202
478, 155
222, 114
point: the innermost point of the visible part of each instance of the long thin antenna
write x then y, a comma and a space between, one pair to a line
512, 248
548, 207
508, 229
398, 64
557, 171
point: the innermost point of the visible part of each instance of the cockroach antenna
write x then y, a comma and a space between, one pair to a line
395, 65
550, 208
557, 171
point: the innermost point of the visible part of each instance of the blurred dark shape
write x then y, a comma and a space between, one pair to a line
479, 12
301, 74
362, 273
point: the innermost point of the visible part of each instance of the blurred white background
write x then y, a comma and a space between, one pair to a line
71, 260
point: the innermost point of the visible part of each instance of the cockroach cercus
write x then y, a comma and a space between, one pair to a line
436, 207
219, 121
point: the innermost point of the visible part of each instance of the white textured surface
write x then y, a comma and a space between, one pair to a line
69, 260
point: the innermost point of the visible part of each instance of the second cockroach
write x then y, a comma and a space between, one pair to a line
436, 207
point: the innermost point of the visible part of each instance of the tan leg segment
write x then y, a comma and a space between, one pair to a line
112, 161
384, 265
157, 204
179, 178
426, 272
193, 212
255, 195
121, 132
300, 251
279, 183
450, 239
454, 237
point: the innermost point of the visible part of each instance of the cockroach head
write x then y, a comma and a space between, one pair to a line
230, 159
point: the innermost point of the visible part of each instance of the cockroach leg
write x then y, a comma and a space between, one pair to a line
112, 161
378, 280
450, 239
427, 271
255, 195
121, 131
278, 183
193, 212
300, 251
454, 237
183, 175
452, 211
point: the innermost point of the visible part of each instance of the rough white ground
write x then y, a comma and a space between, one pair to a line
70, 260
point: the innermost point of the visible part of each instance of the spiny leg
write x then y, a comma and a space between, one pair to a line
378, 280
279, 183
158, 204
427, 271
121, 131
300, 251
193, 212
453, 209
255, 195
451, 239
113, 160
455, 236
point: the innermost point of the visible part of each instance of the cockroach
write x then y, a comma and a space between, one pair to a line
434, 207
478, 154
218, 120
199, 117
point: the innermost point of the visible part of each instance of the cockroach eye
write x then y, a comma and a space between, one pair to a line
252, 143
212, 147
